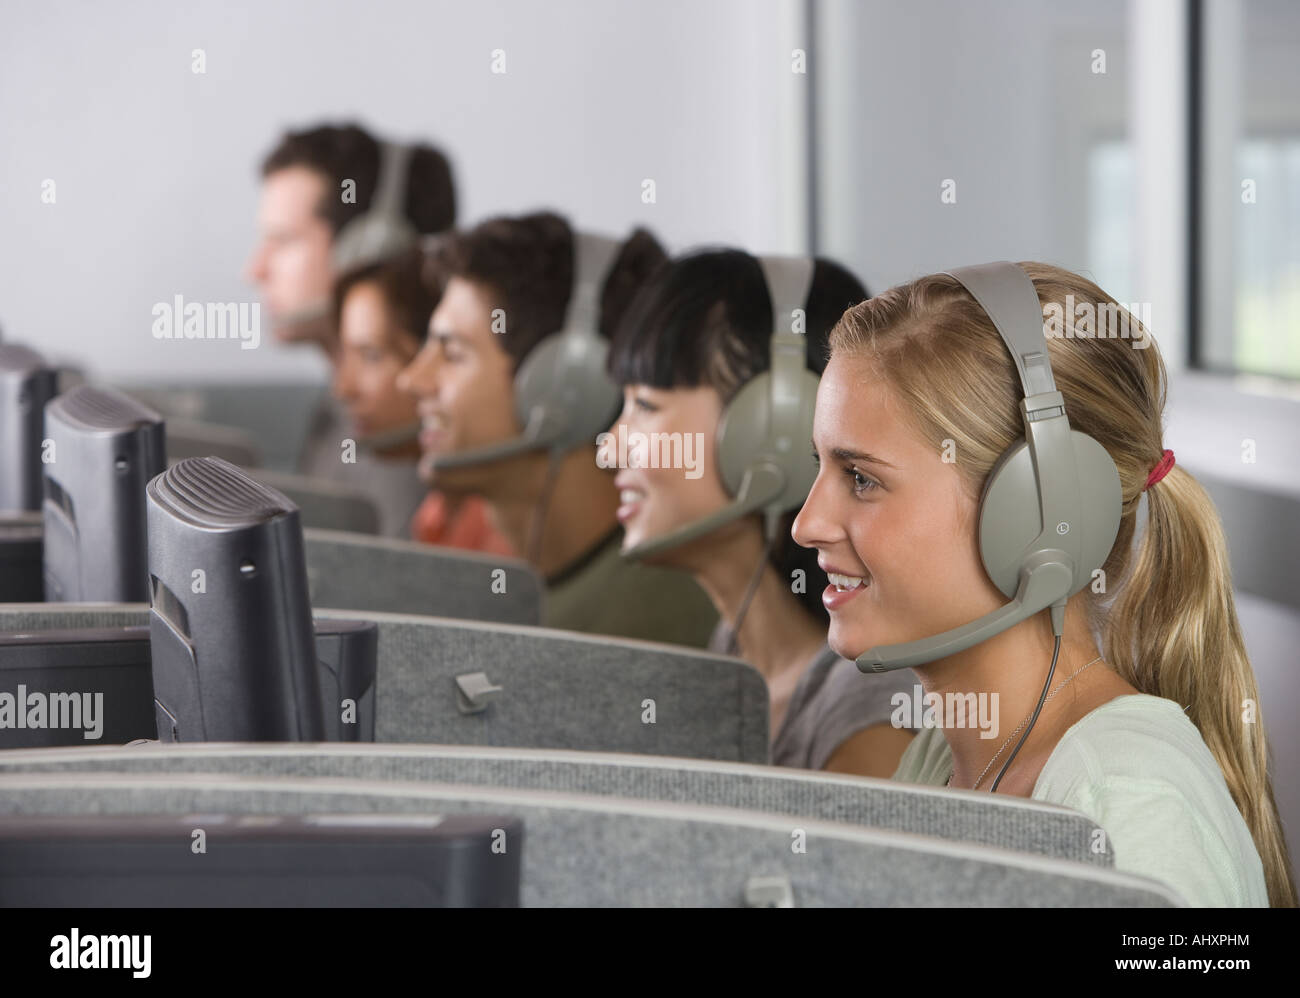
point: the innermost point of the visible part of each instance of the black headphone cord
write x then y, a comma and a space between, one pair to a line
1056, 651
769, 544
554, 459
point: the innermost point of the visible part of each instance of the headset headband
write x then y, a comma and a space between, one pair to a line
380, 232
789, 280
761, 436
383, 230
593, 256
1008, 297
393, 164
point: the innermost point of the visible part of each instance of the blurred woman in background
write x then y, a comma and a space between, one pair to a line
382, 314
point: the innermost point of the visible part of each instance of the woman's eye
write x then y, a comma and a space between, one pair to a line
861, 483
816, 458
645, 405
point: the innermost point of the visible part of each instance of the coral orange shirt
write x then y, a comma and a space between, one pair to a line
467, 525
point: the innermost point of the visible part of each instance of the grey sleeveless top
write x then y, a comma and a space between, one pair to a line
831, 703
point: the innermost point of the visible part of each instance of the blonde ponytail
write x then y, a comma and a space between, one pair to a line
1173, 632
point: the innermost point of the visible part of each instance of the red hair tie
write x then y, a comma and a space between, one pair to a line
1160, 470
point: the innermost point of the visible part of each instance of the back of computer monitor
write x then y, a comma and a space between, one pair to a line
75, 687
26, 384
347, 654
94, 686
233, 650
22, 553
103, 448
317, 861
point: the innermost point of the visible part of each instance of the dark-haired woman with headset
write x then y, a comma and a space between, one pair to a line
698, 332
1149, 726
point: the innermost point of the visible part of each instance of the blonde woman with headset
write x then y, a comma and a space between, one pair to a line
1141, 723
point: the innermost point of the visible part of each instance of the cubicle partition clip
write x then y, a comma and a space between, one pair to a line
474, 691
769, 892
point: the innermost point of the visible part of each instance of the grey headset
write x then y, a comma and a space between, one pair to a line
380, 232
762, 453
564, 396
1050, 508
383, 230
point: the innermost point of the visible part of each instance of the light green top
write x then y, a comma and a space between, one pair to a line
1139, 768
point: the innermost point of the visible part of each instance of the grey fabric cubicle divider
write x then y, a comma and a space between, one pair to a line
16, 617
1018, 824
278, 416
322, 503
360, 572
187, 439
583, 850
363, 572
559, 689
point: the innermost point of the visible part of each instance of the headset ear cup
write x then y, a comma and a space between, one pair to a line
565, 376
797, 459
1011, 518
1102, 498
370, 239
532, 380
745, 439
742, 428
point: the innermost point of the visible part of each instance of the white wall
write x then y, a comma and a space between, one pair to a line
156, 166
1000, 98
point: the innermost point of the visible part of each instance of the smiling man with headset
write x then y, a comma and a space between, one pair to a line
513, 393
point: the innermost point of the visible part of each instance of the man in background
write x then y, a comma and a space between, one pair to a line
318, 184
314, 183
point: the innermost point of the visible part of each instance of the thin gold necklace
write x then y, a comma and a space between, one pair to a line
1022, 724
